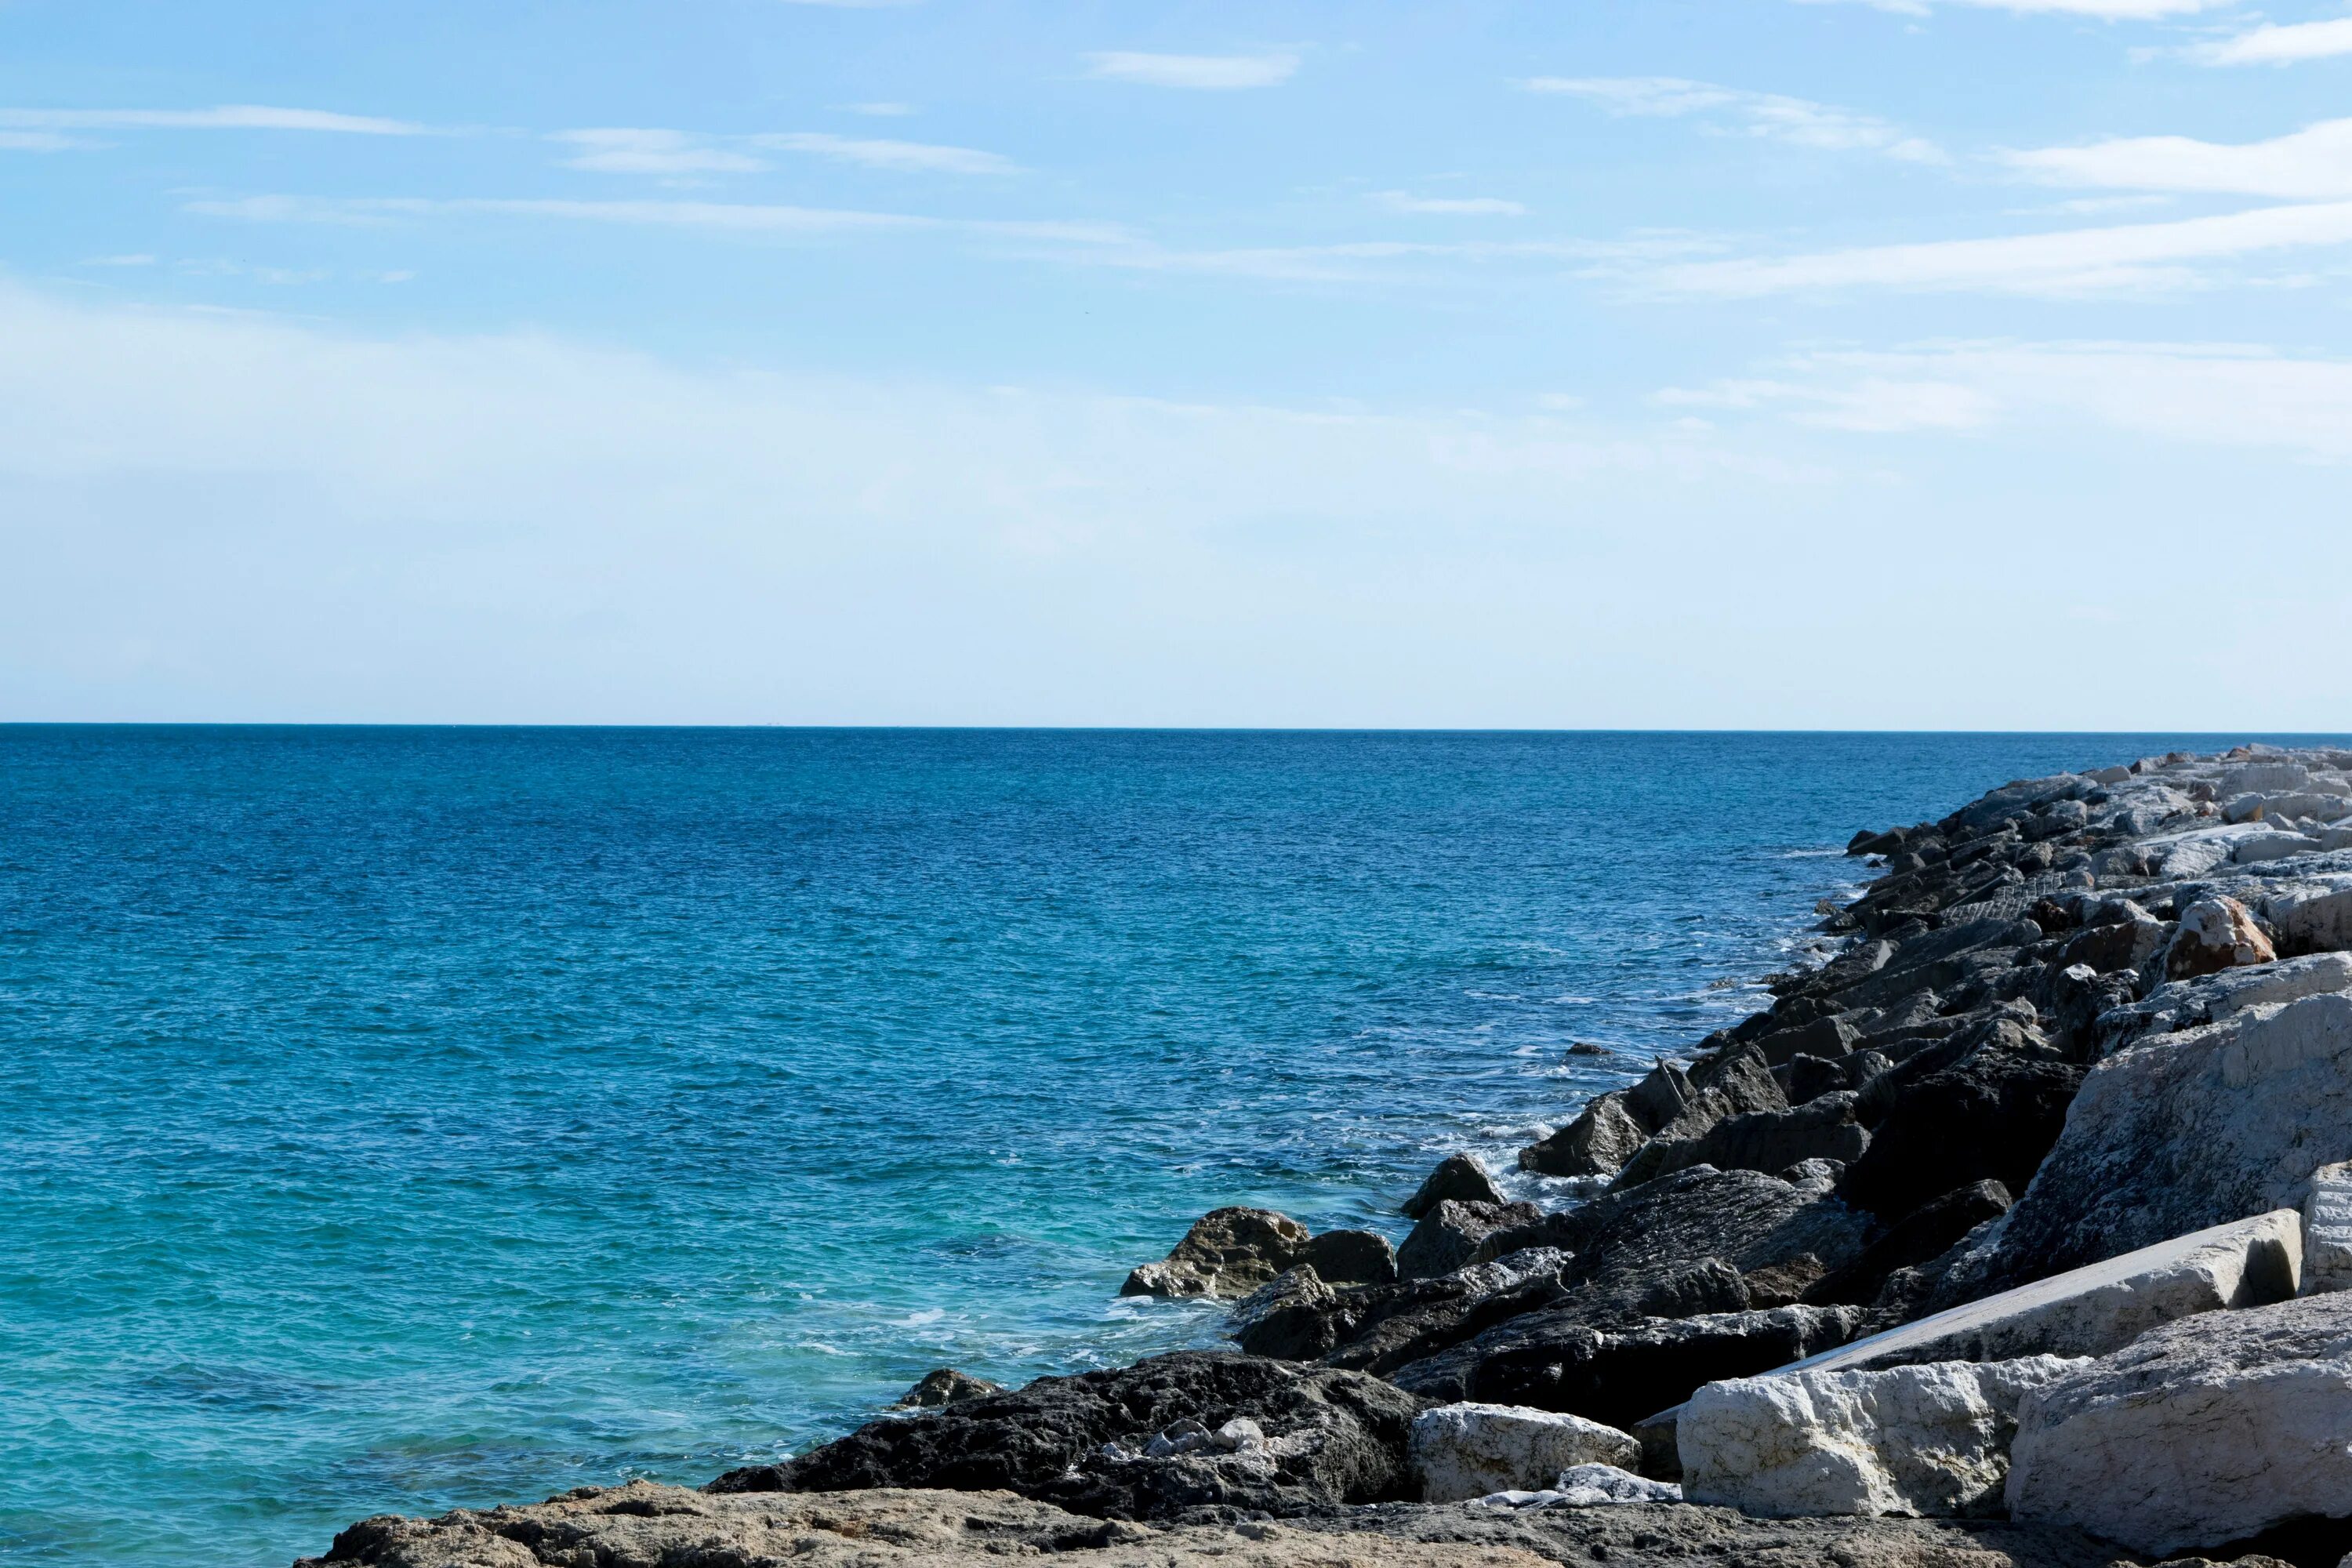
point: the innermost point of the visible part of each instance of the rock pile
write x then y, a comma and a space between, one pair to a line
2026, 1210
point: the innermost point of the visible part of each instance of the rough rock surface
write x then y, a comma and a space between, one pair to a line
1458, 1177
1605, 1135
1350, 1258
1228, 1252
1448, 1235
2207, 1431
2184, 1131
946, 1385
2216, 935
1459, 1452
1082, 1443
1924, 1441
2327, 1231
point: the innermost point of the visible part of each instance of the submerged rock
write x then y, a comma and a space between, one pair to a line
945, 1387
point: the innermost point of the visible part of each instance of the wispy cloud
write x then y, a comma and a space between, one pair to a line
883, 109
619, 150
718, 217
37, 142
920, 157
2311, 165
1769, 115
2099, 10
228, 117
2275, 44
2126, 257
1214, 73
1450, 206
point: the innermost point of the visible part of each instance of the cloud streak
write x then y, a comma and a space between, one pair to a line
1450, 206
1199, 73
228, 117
1765, 115
2311, 165
2276, 45
910, 157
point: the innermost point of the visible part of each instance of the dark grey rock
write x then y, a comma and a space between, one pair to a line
1447, 1236
1458, 1177
945, 1386
1824, 1129
1352, 1258
1047, 1441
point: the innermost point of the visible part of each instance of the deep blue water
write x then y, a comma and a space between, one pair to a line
401, 1118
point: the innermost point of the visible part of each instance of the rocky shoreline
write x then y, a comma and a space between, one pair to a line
2015, 1233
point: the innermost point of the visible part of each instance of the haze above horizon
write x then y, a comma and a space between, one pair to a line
1754, 365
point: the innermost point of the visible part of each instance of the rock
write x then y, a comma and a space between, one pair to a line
1929, 1441
2187, 1003
1830, 1036
1458, 1177
1447, 1237
1292, 1317
1352, 1258
2104, 1306
1774, 1140
2327, 1231
1923, 1234
1984, 1106
1555, 1360
1228, 1252
2216, 935
2206, 1431
1384, 1328
2126, 939
2310, 917
1603, 1136
1461, 1452
945, 1387
1738, 1084
1079, 1443
643, 1525
2185, 1131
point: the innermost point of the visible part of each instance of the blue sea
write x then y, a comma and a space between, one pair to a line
401, 1118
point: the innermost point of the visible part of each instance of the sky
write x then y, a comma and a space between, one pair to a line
1747, 363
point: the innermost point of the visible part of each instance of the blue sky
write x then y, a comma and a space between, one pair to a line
1751, 362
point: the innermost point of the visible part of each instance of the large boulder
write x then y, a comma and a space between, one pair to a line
1458, 1177
1928, 1441
1734, 1085
1605, 1135
1295, 1316
1380, 1330
2327, 1231
2185, 1131
1352, 1256
1824, 1129
1984, 1105
2215, 934
1228, 1252
1111, 1444
1463, 1451
2205, 1432
1448, 1235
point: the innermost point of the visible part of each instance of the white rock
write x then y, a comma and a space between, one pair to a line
2216, 935
2204, 1432
2264, 778
1461, 1452
2104, 1307
2184, 1131
2273, 846
2314, 916
1591, 1486
2327, 1231
1929, 1441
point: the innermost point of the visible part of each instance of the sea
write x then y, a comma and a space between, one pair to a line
402, 1118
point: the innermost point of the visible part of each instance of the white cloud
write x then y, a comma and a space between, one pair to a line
230, 117
2072, 261
1769, 115
2275, 44
1203, 72
37, 142
621, 150
909, 156
2311, 165
1450, 206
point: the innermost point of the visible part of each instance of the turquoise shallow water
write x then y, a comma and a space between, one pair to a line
398, 1118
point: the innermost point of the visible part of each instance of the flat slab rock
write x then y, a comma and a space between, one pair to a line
1083, 1443
1461, 1452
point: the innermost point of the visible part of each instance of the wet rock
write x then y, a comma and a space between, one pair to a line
1080, 1443
1603, 1136
1460, 1452
1736, 1083
2205, 1432
1923, 1234
2187, 1131
945, 1387
1378, 1329
2216, 935
1295, 1316
1228, 1252
1352, 1258
1924, 1441
1824, 1129
1447, 1236
1830, 1036
1458, 1177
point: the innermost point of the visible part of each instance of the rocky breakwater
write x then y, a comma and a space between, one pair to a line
2003, 1236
